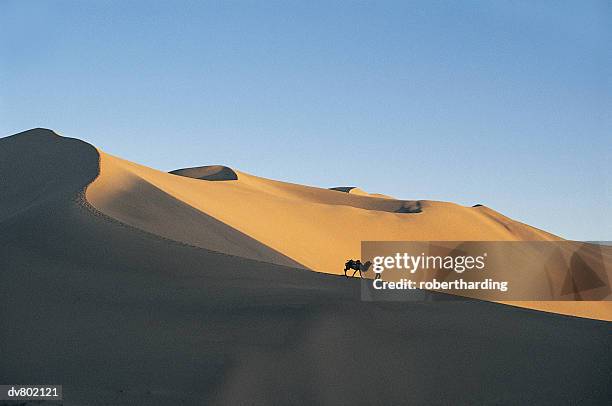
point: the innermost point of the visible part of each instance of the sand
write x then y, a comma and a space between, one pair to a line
133, 286
318, 229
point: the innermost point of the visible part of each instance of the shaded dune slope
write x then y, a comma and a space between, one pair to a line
172, 327
38, 166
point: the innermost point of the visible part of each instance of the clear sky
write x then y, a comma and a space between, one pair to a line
504, 103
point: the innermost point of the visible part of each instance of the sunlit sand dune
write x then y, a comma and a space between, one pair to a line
133, 286
317, 228
231, 212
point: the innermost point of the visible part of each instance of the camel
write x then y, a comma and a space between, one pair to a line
357, 266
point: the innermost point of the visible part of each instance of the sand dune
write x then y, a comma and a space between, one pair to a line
130, 285
252, 217
320, 227
210, 172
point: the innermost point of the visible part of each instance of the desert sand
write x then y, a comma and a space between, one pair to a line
209, 285
311, 228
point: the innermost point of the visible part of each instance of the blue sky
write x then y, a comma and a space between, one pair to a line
504, 103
